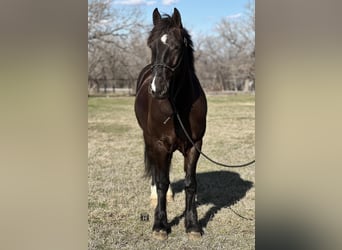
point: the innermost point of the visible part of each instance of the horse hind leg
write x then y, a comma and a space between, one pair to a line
150, 171
159, 159
154, 196
169, 194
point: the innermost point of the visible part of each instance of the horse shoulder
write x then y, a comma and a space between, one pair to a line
198, 116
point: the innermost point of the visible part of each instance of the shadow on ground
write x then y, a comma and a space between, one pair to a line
220, 189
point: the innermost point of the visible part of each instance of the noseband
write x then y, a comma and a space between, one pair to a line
172, 69
163, 65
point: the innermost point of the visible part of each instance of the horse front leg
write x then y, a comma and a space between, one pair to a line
160, 176
192, 225
154, 196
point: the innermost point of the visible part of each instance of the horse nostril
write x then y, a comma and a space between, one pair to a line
151, 91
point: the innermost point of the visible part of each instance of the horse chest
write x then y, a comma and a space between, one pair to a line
159, 117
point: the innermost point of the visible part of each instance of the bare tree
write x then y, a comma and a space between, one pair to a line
117, 51
109, 42
227, 57
106, 23
239, 38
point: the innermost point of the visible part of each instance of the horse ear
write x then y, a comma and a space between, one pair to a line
156, 16
177, 18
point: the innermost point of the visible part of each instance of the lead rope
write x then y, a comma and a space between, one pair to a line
207, 157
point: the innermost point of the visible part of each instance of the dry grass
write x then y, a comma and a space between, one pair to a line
118, 193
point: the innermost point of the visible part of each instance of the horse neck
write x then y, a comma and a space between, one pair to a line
184, 92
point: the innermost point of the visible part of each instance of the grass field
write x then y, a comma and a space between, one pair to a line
118, 193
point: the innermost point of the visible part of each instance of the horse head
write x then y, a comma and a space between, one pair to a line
168, 42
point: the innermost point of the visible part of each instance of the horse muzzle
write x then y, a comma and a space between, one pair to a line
158, 90
159, 94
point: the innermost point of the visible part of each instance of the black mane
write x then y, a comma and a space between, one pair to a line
164, 25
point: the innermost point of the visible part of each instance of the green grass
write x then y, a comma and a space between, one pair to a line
118, 193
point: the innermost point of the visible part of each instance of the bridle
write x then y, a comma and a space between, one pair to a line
172, 69
163, 65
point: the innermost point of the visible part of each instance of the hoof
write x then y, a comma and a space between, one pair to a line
194, 235
161, 235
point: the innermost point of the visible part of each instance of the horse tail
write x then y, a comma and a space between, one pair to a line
148, 165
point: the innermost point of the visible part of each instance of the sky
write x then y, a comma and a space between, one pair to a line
198, 16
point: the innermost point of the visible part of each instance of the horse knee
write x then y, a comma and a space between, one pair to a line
162, 186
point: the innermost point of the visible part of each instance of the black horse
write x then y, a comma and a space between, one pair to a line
167, 88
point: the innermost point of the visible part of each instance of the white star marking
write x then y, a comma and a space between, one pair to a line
153, 85
163, 38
